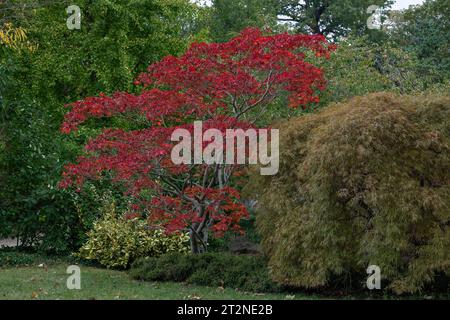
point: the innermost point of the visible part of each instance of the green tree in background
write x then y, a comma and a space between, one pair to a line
360, 66
117, 40
425, 31
229, 17
330, 18
12, 45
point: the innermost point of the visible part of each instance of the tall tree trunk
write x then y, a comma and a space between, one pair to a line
198, 241
199, 236
193, 241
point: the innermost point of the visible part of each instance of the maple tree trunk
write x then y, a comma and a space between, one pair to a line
198, 241
194, 245
199, 236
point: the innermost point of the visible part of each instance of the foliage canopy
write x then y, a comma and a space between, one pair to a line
361, 183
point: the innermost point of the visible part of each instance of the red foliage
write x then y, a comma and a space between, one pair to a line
217, 83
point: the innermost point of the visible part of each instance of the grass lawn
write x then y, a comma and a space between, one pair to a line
35, 276
35, 282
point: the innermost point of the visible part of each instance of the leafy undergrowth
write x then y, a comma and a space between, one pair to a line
11, 257
249, 273
241, 272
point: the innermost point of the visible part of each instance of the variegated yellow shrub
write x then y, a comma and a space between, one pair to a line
115, 242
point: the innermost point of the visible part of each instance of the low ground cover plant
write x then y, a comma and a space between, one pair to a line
243, 272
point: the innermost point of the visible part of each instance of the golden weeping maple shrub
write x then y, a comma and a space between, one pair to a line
361, 183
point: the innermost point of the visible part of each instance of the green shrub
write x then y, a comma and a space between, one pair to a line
168, 267
115, 242
247, 273
360, 183
13, 257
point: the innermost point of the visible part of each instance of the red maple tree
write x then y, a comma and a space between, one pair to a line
225, 85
